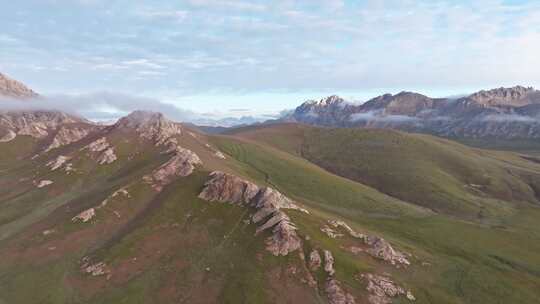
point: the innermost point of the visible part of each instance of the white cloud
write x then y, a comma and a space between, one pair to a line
377, 116
508, 118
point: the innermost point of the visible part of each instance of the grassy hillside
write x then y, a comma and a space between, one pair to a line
172, 247
435, 173
488, 261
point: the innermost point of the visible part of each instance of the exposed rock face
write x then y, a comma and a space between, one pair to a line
377, 246
14, 89
515, 96
120, 192
40, 124
58, 162
107, 157
44, 183
9, 136
85, 216
314, 260
267, 203
98, 145
503, 112
66, 136
329, 263
219, 154
104, 150
331, 233
96, 269
342, 224
383, 289
336, 295
381, 249
150, 125
181, 164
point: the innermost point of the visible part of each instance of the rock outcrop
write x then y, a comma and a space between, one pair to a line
120, 192
314, 260
85, 216
44, 183
39, 124
14, 89
350, 231
102, 150
377, 247
267, 204
331, 233
57, 162
181, 164
336, 295
382, 289
95, 269
381, 249
9, 136
150, 125
329, 263
107, 157
66, 136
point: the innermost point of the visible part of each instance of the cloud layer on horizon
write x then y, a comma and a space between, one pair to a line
109, 106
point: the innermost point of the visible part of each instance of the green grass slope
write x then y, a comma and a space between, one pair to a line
435, 173
493, 261
172, 247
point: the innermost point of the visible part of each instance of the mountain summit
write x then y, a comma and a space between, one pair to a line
14, 89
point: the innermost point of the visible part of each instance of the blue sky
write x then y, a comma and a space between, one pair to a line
231, 58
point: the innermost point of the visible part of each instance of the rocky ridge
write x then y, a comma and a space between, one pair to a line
181, 164
66, 136
14, 89
39, 124
102, 151
504, 112
268, 205
377, 247
151, 126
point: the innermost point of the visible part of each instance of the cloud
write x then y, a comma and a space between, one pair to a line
378, 117
174, 15
98, 106
508, 118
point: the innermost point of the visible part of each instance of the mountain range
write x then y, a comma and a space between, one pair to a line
508, 113
149, 210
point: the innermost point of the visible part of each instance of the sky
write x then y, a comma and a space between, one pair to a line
228, 58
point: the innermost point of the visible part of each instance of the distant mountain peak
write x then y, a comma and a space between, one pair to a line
323, 102
14, 89
513, 96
